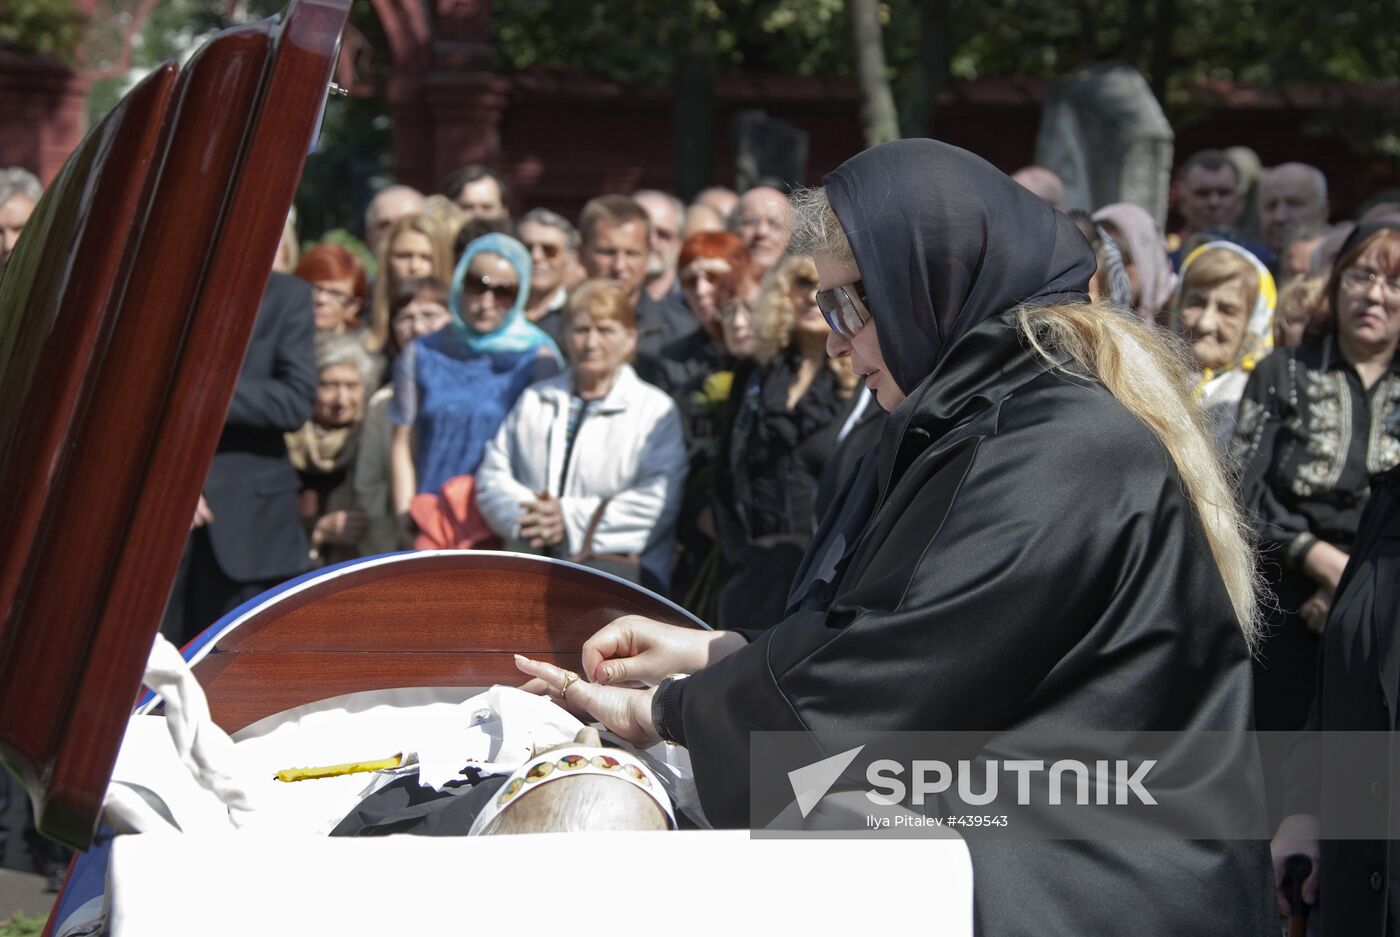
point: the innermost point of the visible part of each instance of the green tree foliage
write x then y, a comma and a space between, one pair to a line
1264, 43
353, 147
42, 27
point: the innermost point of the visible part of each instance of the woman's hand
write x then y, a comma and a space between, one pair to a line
1323, 563
625, 712
636, 651
1314, 611
340, 527
542, 524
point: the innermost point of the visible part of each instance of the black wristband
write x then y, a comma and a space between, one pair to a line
1297, 549
665, 715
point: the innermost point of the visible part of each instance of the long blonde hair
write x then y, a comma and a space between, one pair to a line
775, 318
1144, 370
1151, 376
379, 337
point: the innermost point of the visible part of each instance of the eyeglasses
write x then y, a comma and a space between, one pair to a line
733, 310
1362, 279
550, 251
336, 295
503, 293
846, 314
691, 277
803, 283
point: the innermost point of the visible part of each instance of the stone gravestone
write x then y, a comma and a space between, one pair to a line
1105, 135
768, 151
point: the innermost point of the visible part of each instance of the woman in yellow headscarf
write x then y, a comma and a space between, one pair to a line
1224, 309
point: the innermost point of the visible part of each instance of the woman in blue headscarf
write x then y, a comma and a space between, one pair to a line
453, 389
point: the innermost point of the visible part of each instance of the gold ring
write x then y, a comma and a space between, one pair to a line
570, 678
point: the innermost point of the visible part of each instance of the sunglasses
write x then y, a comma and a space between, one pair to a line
503, 293
804, 284
550, 251
843, 312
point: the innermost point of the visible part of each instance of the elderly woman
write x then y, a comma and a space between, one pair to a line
1142, 252
1225, 311
1042, 539
324, 450
1315, 423
416, 246
453, 389
339, 287
784, 411
590, 465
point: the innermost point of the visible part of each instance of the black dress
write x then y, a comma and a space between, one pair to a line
770, 463
1308, 439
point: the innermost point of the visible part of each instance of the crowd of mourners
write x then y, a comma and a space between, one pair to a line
645, 389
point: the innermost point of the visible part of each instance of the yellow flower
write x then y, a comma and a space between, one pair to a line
718, 385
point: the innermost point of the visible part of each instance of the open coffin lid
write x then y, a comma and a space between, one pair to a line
123, 317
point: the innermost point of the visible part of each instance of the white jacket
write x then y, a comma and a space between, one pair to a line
629, 449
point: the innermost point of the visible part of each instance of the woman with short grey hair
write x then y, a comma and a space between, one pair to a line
324, 450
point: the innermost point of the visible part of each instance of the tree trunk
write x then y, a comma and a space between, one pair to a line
1134, 29
1163, 32
877, 101
1088, 32
693, 115
935, 58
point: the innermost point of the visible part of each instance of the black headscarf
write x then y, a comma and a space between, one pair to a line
944, 241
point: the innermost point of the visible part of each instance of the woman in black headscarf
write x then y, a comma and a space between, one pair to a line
1043, 539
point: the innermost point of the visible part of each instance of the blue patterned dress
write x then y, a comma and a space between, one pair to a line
456, 399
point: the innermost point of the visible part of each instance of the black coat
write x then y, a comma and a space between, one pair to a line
1032, 563
1357, 684
252, 488
660, 322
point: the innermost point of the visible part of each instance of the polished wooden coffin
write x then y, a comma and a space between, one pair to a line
124, 313
424, 619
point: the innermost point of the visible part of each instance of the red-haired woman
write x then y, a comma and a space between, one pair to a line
339, 287
712, 267
697, 371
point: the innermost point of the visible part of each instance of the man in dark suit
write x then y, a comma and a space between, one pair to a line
247, 534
